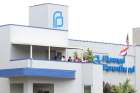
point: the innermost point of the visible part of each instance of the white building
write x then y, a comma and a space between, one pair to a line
27, 56
30, 57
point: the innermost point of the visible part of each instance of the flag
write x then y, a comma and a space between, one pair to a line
124, 50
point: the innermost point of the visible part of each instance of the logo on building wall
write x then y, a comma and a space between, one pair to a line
57, 19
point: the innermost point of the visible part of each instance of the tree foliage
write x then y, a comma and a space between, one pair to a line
125, 87
89, 55
75, 54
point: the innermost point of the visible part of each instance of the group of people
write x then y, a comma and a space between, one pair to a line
75, 59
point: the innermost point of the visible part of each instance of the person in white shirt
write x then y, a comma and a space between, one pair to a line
63, 58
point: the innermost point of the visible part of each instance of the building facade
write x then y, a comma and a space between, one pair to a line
28, 61
31, 57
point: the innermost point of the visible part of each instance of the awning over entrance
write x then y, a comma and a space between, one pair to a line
37, 72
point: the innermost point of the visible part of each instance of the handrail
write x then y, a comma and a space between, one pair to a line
18, 59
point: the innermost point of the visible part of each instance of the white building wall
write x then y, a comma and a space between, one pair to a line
137, 51
99, 47
92, 75
136, 43
44, 37
84, 76
42, 15
4, 57
68, 85
4, 44
4, 85
37, 36
97, 86
87, 74
38, 16
72, 86
136, 36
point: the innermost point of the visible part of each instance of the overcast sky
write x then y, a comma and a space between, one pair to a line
94, 20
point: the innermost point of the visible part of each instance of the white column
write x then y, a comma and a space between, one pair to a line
66, 54
31, 56
31, 52
49, 55
137, 67
28, 87
4, 85
82, 54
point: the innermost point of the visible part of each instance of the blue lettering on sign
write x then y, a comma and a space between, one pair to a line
108, 59
105, 60
57, 19
118, 68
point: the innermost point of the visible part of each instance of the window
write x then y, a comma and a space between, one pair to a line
16, 88
87, 89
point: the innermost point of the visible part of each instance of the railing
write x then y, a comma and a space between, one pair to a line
20, 63
45, 64
20, 59
50, 64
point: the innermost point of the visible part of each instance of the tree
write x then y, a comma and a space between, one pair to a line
89, 55
75, 54
124, 88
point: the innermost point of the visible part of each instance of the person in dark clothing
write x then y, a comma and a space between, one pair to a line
69, 59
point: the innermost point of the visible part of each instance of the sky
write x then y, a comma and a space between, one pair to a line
93, 20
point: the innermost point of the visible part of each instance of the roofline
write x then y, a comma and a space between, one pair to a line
31, 27
63, 30
48, 3
98, 42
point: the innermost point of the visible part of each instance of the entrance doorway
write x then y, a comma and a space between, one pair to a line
43, 88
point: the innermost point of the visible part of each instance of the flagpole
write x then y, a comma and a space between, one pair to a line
124, 51
127, 43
